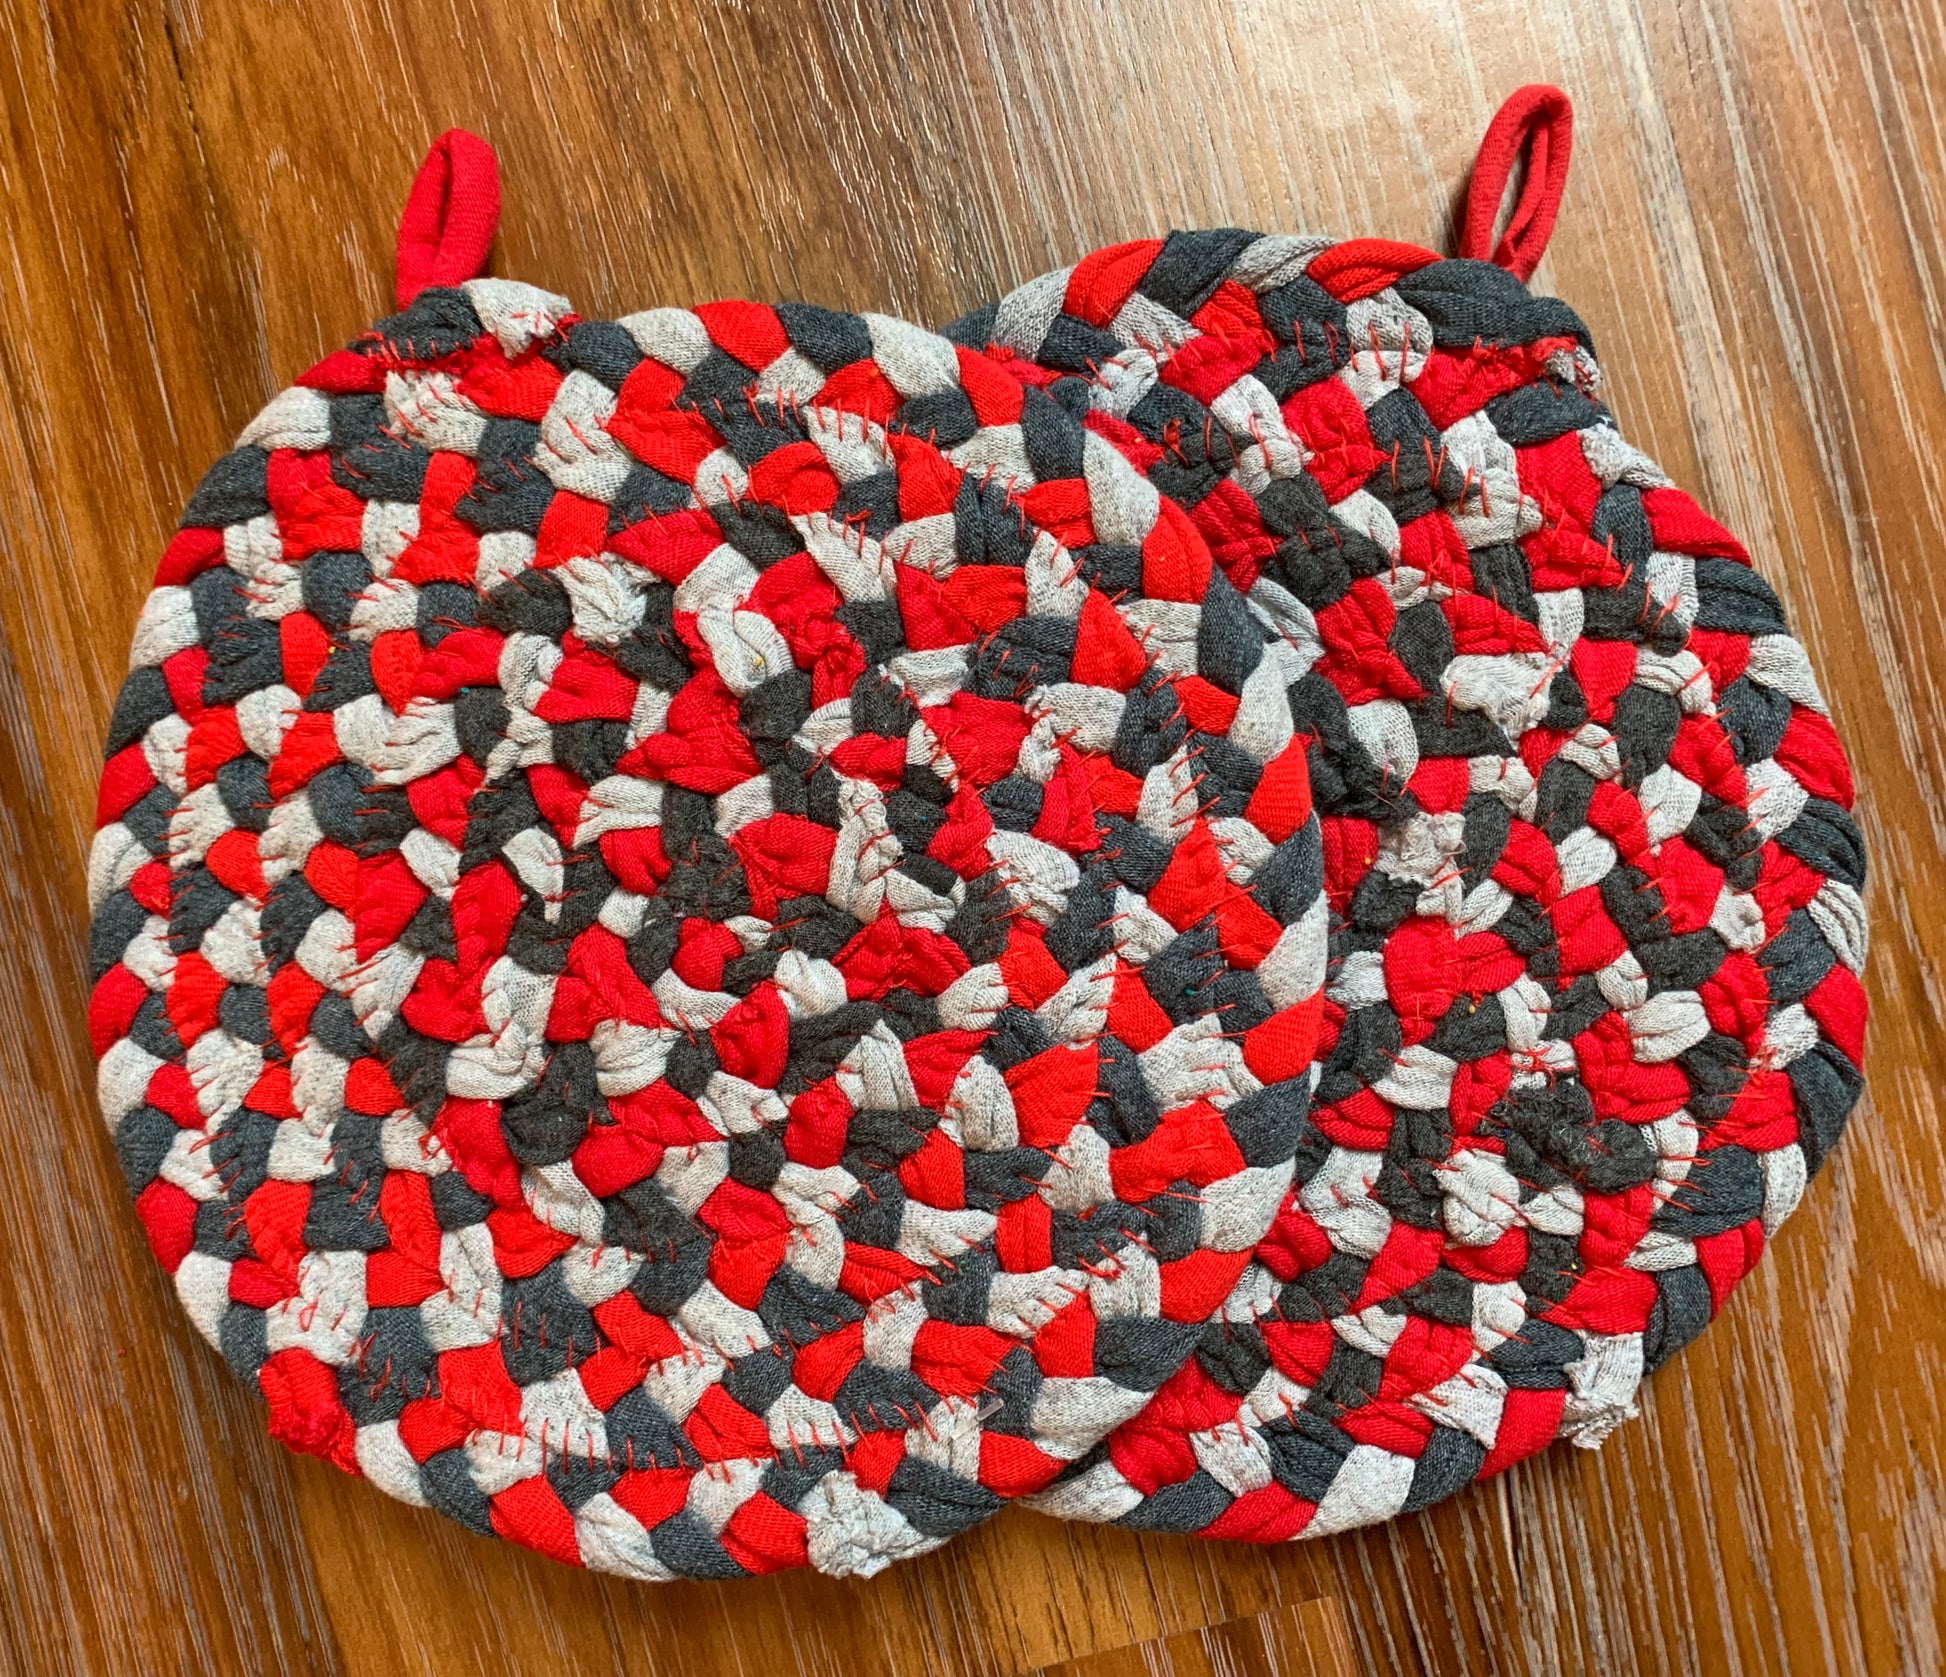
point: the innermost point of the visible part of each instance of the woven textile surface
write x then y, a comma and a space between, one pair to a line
711, 936
677, 981
1595, 1010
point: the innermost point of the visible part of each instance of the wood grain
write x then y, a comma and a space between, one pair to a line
198, 199
1305, 1640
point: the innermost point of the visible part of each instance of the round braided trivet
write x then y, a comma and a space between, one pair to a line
710, 928
1594, 1012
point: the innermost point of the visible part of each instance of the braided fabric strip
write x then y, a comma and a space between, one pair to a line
1595, 1010
708, 928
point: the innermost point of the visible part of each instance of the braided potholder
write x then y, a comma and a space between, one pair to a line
709, 928
1595, 1011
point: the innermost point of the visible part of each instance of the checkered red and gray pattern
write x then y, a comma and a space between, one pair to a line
1595, 1011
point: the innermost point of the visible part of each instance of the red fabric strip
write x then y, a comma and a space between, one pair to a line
450, 215
1540, 121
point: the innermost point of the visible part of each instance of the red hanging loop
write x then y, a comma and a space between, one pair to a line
1539, 120
450, 215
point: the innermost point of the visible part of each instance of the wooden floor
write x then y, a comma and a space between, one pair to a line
197, 199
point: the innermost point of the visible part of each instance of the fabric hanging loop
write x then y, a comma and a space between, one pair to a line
1538, 120
450, 215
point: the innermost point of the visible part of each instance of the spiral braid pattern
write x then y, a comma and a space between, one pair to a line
1595, 1011
696, 966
